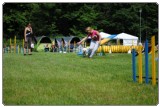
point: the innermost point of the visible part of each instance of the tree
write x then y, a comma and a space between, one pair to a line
72, 18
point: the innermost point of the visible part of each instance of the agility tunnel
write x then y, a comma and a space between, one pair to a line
116, 49
122, 49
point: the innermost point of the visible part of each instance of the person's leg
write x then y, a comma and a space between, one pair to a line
94, 49
29, 45
25, 46
92, 44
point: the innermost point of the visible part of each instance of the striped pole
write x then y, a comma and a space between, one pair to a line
134, 65
153, 61
146, 62
140, 63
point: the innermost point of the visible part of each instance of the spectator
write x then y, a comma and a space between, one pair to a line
46, 48
27, 38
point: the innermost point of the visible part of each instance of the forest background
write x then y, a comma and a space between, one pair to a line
66, 19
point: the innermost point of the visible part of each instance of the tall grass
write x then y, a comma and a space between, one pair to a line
68, 79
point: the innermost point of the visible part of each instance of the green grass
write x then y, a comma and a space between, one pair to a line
68, 79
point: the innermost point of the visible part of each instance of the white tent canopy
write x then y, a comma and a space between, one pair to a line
127, 38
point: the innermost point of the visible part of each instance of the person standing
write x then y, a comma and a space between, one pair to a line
95, 40
28, 38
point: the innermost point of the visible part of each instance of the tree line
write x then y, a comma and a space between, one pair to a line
52, 19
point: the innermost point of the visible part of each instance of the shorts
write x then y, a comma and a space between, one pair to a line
28, 43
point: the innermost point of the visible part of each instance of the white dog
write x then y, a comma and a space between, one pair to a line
85, 51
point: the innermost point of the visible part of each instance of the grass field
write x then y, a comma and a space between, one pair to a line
68, 79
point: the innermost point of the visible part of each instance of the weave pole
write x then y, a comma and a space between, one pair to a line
146, 62
134, 65
140, 63
153, 61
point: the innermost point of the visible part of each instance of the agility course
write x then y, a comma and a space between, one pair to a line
140, 68
56, 79
69, 44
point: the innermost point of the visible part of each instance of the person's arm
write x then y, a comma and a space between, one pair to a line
82, 40
25, 34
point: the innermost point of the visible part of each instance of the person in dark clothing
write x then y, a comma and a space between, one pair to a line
27, 38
